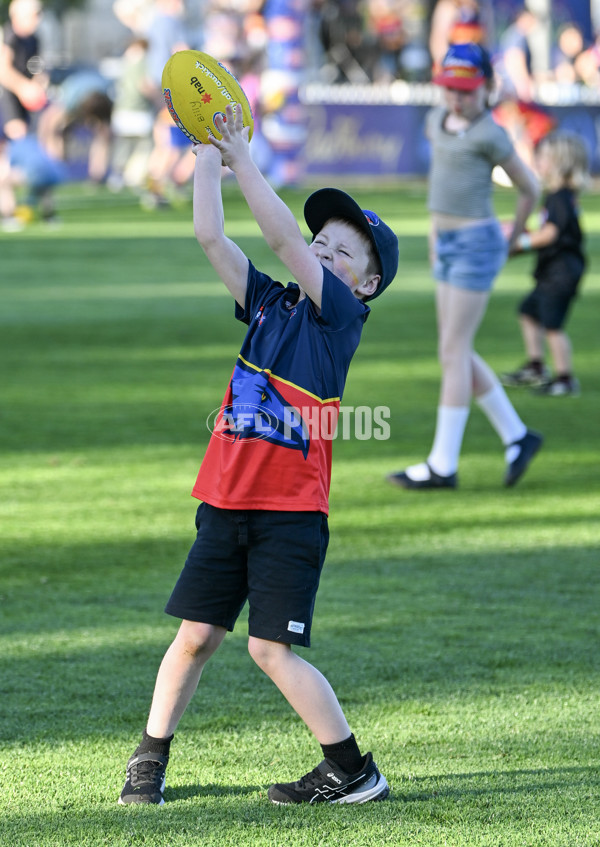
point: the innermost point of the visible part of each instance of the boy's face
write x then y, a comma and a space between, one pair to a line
341, 249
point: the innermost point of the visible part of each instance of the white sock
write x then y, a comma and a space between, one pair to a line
418, 473
503, 417
449, 431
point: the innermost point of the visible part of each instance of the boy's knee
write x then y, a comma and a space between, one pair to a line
196, 639
266, 653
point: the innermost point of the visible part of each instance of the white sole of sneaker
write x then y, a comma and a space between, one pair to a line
379, 791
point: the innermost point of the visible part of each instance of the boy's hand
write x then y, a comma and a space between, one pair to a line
206, 152
233, 145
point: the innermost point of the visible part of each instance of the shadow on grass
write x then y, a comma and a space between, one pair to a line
451, 785
459, 786
190, 791
438, 623
518, 797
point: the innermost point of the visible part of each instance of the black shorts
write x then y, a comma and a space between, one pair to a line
12, 109
548, 304
272, 559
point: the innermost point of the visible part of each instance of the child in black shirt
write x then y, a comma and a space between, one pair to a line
562, 164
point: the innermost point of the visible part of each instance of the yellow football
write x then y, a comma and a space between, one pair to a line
196, 89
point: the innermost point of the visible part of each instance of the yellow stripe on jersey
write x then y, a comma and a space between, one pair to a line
287, 382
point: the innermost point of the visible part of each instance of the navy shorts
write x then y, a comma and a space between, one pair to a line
272, 559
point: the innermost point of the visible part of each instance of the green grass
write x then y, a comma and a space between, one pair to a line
459, 629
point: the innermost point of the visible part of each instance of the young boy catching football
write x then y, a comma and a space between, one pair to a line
264, 482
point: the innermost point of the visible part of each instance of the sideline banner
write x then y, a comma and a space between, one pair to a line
366, 140
389, 140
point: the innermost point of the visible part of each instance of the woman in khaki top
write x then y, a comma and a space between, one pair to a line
467, 251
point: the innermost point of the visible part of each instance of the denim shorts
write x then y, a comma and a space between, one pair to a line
271, 559
470, 257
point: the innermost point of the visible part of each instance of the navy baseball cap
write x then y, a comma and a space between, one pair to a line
327, 203
465, 66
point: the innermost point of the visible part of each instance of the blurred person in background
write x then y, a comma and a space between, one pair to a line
562, 164
249, 69
315, 52
162, 24
386, 24
171, 162
233, 32
22, 96
525, 120
587, 64
135, 15
132, 119
516, 68
458, 22
348, 54
569, 46
79, 113
467, 250
21, 68
166, 34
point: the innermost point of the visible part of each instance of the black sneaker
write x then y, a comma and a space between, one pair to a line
328, 784
145, 779
560, 388
529, 445
435, 480
526, 375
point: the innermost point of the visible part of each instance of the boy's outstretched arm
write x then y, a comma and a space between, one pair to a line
277, 223
225, 256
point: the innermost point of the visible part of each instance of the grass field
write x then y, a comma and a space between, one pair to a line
459, 629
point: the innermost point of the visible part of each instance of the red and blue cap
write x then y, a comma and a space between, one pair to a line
465, 66
327, 203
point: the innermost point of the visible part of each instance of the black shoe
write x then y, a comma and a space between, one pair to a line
526, 375
435, 480
328, 784
529, 444
145, 779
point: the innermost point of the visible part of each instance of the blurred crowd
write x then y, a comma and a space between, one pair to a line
49, 115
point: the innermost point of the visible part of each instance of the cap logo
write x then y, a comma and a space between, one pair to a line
371, 217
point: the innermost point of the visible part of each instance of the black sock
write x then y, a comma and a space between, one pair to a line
154, 745
345, 754
537, 365
564, 378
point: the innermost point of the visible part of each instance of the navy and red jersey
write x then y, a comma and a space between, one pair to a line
272, 442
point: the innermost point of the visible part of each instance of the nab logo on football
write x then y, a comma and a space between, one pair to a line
195, 82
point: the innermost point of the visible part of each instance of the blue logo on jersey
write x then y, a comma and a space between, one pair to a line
260, 412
